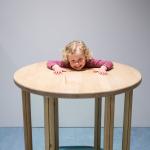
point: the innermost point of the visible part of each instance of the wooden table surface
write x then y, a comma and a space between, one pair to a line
37, 78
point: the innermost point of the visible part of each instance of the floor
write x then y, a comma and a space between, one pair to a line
13, 138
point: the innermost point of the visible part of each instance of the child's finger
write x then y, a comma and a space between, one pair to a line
95, 70
102, 73
64, 70
57, 72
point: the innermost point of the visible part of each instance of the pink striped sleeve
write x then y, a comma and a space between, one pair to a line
51, 63
93, 63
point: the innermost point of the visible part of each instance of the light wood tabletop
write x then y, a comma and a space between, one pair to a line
37, 78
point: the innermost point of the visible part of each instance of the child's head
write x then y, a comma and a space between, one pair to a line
76, 54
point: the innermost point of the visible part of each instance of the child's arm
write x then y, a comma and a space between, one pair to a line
102, 70
101, 66
57, 69
56, 66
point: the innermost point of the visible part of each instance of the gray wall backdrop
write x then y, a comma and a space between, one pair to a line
37, 30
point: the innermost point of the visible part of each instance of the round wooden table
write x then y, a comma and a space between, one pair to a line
38, 79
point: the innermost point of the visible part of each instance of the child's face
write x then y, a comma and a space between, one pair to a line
77, 61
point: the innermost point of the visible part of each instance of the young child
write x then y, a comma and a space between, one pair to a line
77, 56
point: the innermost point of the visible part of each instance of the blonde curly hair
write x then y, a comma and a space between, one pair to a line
73, 47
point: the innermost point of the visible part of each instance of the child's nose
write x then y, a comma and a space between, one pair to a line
77, 64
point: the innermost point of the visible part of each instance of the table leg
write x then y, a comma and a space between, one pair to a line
109, 122
97, 128
51, 123
127, 120
27, 120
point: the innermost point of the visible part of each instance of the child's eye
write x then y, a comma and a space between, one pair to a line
80, 59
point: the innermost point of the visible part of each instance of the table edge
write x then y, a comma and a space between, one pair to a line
76, 95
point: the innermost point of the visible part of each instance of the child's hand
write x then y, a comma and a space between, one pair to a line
102, 70
58, 70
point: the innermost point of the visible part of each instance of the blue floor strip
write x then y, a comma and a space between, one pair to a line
72, 139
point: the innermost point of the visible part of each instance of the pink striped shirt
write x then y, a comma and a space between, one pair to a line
92, 63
